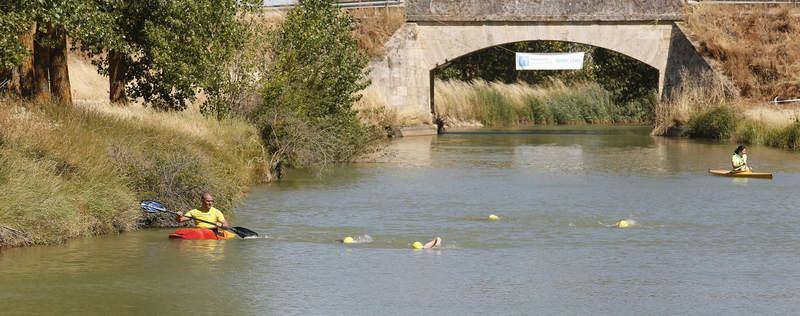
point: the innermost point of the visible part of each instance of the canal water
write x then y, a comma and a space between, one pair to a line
699, 244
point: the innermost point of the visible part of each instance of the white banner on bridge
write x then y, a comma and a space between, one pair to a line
549, 61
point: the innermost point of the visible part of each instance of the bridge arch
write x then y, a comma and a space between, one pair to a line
404, 76
496, 64
451, 59
612, 39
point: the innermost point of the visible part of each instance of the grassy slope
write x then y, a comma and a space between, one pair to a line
68, 172
75, 172
756, 46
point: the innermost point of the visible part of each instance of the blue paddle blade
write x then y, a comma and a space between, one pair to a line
153, 207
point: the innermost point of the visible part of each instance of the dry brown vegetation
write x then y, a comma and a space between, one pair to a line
373, 111
695, 95
758, 47
374, 26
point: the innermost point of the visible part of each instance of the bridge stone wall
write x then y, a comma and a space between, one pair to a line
543, 10
448, 29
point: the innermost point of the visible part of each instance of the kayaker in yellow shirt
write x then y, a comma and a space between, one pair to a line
739, 159
206, 212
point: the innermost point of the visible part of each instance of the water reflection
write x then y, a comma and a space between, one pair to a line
550, 157
208, 251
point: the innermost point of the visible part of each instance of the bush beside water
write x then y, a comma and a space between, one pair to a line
785, 138
752, 132
722, 123
67, 172
717, 123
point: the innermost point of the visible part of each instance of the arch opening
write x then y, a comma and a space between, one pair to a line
484, 87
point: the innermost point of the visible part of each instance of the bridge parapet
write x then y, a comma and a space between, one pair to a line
543, 10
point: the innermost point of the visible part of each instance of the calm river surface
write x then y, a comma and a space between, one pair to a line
701, 244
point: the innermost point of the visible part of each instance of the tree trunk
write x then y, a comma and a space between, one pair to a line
41, 65
117, 70
25, 69
13, 86
59, 70
7, 81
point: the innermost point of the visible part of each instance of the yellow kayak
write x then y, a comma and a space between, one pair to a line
743, 174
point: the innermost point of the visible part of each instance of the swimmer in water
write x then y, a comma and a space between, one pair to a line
433, 244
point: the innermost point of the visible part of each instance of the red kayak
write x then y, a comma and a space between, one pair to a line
201, 233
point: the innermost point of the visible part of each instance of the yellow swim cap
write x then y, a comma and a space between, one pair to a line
348, 240
623, 224
493, 217
416, 245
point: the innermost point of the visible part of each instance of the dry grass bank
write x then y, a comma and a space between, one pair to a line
372, 111
374, 26
704, 108
695, 95
80, 171
756, 46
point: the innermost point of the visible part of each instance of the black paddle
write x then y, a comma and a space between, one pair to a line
155, 207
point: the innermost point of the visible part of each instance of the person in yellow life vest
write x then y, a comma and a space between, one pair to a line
739, 159
206, 212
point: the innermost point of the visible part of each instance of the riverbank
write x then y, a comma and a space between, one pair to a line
712, 113
755, 46
752, 48
80, 171
725, 123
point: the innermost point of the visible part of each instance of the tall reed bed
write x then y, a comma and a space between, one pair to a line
756, 132
76, 171
695, 95
727, 122
502, 104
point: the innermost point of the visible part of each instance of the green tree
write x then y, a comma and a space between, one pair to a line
307, 116
40, 29
171, 49
12, 25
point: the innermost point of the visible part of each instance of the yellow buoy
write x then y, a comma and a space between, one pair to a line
348, 240
623, 223
493, 217
416, 245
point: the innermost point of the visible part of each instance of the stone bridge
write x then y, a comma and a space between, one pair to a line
438, 31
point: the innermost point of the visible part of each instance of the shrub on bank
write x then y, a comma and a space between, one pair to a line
69, 171
716, 123
759, 133
306, 116
786, 138
752, 132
